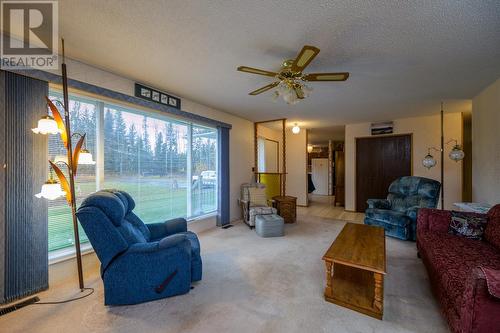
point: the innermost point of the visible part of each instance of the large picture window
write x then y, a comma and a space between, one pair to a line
168, 166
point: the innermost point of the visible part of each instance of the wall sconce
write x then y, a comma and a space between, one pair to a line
296, 129
310, 148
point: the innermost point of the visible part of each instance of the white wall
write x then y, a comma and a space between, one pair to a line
485, 145
426, 133
296, 165
241, 135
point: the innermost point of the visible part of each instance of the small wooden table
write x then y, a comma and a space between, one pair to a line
355, 269
287, 207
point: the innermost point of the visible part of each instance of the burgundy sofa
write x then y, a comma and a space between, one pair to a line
464, 273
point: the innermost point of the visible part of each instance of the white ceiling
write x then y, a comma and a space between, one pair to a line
404, 56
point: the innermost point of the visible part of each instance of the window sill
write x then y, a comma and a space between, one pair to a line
70, 253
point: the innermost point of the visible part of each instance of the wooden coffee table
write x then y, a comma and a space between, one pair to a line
355, 269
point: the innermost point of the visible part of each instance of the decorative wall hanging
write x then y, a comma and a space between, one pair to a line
154, 95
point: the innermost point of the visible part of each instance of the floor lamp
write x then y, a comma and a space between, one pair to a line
456, 154
76, 155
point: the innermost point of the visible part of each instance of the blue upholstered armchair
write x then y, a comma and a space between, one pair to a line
139, 262
398, 213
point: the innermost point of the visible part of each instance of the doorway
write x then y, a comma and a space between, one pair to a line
319, 171
379, 161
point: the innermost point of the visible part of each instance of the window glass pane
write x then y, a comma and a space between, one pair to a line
146, 156
83, 120
204, 170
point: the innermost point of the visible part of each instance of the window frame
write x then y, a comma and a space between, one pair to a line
100, 104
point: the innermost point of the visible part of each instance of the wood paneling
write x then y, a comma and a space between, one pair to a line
379, 161
340, 178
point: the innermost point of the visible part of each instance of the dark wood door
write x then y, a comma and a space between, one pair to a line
339, 178
379, 161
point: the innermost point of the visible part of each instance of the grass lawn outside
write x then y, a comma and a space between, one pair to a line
157, 199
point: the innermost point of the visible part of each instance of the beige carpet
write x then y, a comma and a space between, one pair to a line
251, 284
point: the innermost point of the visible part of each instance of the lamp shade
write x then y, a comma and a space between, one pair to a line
310, 148
51, 190
457, 154
85, 158
296, 129
429, 161
46, 125
61, 158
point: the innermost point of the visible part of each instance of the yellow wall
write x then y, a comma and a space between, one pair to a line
426, 133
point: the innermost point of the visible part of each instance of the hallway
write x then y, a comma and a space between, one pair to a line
323, 206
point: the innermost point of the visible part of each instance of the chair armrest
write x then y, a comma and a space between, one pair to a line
167, 228
412, 212
379, 203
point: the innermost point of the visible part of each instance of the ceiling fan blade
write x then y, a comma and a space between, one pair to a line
306, 55
264, 89
256, 71
326, 76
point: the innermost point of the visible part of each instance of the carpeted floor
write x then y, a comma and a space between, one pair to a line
252, 284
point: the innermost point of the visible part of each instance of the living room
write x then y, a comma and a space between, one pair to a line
173, 166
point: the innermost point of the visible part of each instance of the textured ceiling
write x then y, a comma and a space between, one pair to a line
403, 56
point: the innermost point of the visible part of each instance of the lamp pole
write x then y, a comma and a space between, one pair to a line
442, 157
71, 171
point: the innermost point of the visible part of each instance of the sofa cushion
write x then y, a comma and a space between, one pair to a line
468, 226
492, 232
389, 216
453, 259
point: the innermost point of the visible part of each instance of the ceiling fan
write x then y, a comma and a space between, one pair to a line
290, 79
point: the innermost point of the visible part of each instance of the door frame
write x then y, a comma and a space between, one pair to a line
356, 159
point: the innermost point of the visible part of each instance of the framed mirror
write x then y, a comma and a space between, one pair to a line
270, 145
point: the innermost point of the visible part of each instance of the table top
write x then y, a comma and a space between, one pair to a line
475, 207
361, 246
284, 198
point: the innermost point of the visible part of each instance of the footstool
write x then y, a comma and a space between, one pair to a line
270, 225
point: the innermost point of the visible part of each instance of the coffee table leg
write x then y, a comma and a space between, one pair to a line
328, 290
377, 302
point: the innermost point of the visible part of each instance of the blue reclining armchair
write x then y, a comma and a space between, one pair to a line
398, 213
139, 262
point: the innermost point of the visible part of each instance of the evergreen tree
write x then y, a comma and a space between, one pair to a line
159, 155
121, 144
132, 149
171, 149
109, 142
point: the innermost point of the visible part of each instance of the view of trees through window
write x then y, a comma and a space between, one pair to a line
167, 166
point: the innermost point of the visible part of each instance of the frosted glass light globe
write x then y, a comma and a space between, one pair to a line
457, 154
429, 161
46, 125
50, 190
296, 129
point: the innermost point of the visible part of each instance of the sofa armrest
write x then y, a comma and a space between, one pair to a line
436, 220
479, 309
379, 203
167, 228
